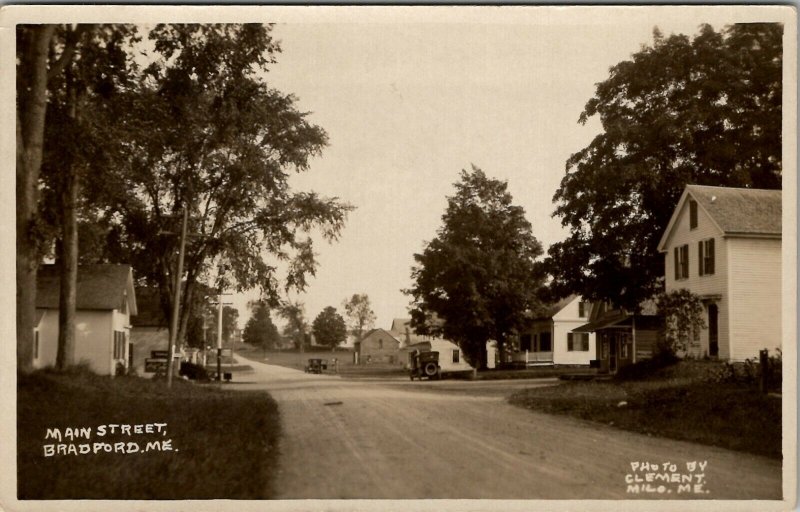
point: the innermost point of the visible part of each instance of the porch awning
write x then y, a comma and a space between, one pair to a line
605, 321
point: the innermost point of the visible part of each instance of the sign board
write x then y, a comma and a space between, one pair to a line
153, 365
159, 354
227, 352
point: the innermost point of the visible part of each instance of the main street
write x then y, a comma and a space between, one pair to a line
376, 438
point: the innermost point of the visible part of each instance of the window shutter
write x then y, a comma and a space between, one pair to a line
570, 342
685, 261
700, 257
710, 268
677, 264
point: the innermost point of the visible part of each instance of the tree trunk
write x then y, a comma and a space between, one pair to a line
31, 109
69, 271
67, 299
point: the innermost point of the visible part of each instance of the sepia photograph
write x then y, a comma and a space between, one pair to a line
399, 257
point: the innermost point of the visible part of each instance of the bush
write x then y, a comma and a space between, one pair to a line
643, 369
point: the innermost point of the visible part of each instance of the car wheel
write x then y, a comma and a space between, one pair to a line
430, 369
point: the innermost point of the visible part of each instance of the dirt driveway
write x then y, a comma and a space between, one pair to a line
460, 439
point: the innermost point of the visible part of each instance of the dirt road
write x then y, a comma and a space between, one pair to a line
460, 439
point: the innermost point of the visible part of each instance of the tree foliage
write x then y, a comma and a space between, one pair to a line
359, 313
206, 132
296, 328
705, 110
478, 276
329, 328
260, 330
682, 311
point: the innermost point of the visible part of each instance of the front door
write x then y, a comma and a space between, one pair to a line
713, 330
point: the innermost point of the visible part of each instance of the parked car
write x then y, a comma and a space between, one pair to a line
425, 364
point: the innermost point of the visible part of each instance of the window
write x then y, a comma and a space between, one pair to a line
681, 262
544, 342
36, 344
582, 309
119, 345
380, 343
456, 355
577, 341
525, 342
624, 344
705, 256
692, 214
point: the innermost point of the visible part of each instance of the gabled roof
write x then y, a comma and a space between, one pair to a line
377, 329
100, 287
400, 324
552, 309
735, 211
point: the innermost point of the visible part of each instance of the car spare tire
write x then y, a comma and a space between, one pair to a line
430, 369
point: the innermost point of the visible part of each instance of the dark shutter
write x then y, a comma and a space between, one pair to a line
700, 260
686, 261
710, 266
677, 264
570, 342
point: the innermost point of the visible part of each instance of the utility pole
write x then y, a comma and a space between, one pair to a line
173, 332
220, 305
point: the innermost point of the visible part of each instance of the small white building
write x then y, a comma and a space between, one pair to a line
451, 358
104, 304
550, 339
724, 244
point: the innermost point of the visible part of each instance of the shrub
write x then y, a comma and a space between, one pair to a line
643, 369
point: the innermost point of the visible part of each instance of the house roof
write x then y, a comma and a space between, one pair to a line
552, 309
377, 329
610, 319
100, 287
620, 318
735, 211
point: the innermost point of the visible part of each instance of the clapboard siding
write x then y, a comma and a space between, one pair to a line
715, 285
755, 296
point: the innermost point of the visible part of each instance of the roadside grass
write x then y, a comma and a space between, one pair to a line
224, 443
673, 403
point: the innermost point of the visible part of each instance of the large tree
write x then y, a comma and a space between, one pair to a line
704, 110
260, 330
33, 43
81, 139
207, 133
296, 327
329, 328
478, 276
359, 313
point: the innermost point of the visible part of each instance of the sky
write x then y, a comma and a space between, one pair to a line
408, 102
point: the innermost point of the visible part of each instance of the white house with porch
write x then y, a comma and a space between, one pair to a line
550, 339
105, 302
724, 244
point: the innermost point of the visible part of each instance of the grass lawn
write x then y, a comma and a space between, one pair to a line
223, 444
672, 404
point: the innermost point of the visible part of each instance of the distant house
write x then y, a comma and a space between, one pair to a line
105, 302
402, 330
377, 346
622, 338
724, 244
150, 329
550, 339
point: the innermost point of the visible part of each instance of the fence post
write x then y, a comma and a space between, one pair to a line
763, 359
